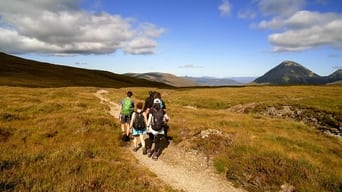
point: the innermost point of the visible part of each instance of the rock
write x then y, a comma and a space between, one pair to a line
287, 188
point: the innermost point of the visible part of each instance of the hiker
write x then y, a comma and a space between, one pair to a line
157, 96
158, 99
127, 107
148, 102
138, 125
155, 122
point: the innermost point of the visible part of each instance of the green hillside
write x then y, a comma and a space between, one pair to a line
16, 71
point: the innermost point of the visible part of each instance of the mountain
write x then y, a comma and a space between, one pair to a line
187, 81
212, 81
16, 71
292, 73
336, 76
166, 78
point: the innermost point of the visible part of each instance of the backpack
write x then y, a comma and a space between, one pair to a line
158, 119
149, 101
139, 121
159, 101
126, 106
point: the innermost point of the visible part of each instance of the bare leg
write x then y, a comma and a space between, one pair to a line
123, 128
127, 129
135, 142
142, 141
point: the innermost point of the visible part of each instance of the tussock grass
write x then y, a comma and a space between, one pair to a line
262, 153
64, 140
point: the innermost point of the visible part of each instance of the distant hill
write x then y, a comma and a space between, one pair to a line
335, 77
243, 80
212, 81
186, 81
166, 78
292, 73
16, 71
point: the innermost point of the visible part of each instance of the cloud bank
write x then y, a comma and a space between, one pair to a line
280, 7
61, 27
298, 29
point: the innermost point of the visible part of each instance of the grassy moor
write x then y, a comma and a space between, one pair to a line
56, 135
63, 139
237, 96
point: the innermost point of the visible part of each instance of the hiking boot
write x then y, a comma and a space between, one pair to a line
155, 156
125, 138
149, 153
144, 151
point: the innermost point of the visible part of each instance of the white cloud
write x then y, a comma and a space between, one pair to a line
60, 27
150, 30
274, 23
247, 14
280, 7
225, 8
305, 19
297, 29
190, 66
140, 46
306, 30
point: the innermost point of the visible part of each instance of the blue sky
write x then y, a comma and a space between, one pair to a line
221, 38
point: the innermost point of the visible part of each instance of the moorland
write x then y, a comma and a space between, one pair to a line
55, 134
63, 139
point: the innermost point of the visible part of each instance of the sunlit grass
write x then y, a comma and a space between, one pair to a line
262, 153
65, 140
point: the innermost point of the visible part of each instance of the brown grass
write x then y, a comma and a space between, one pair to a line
262, 153
64, 139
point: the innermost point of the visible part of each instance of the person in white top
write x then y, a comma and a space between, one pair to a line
156, 124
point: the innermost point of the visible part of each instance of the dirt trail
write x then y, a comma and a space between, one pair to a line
183, 170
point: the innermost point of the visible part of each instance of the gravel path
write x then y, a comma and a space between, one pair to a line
181, 169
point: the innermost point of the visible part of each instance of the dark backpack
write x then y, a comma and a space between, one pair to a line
158, 119
139, 121
149, 101
160, 102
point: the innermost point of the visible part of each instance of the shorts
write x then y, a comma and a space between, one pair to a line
137, 132
125, 118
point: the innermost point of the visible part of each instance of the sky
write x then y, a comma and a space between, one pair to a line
216, 38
